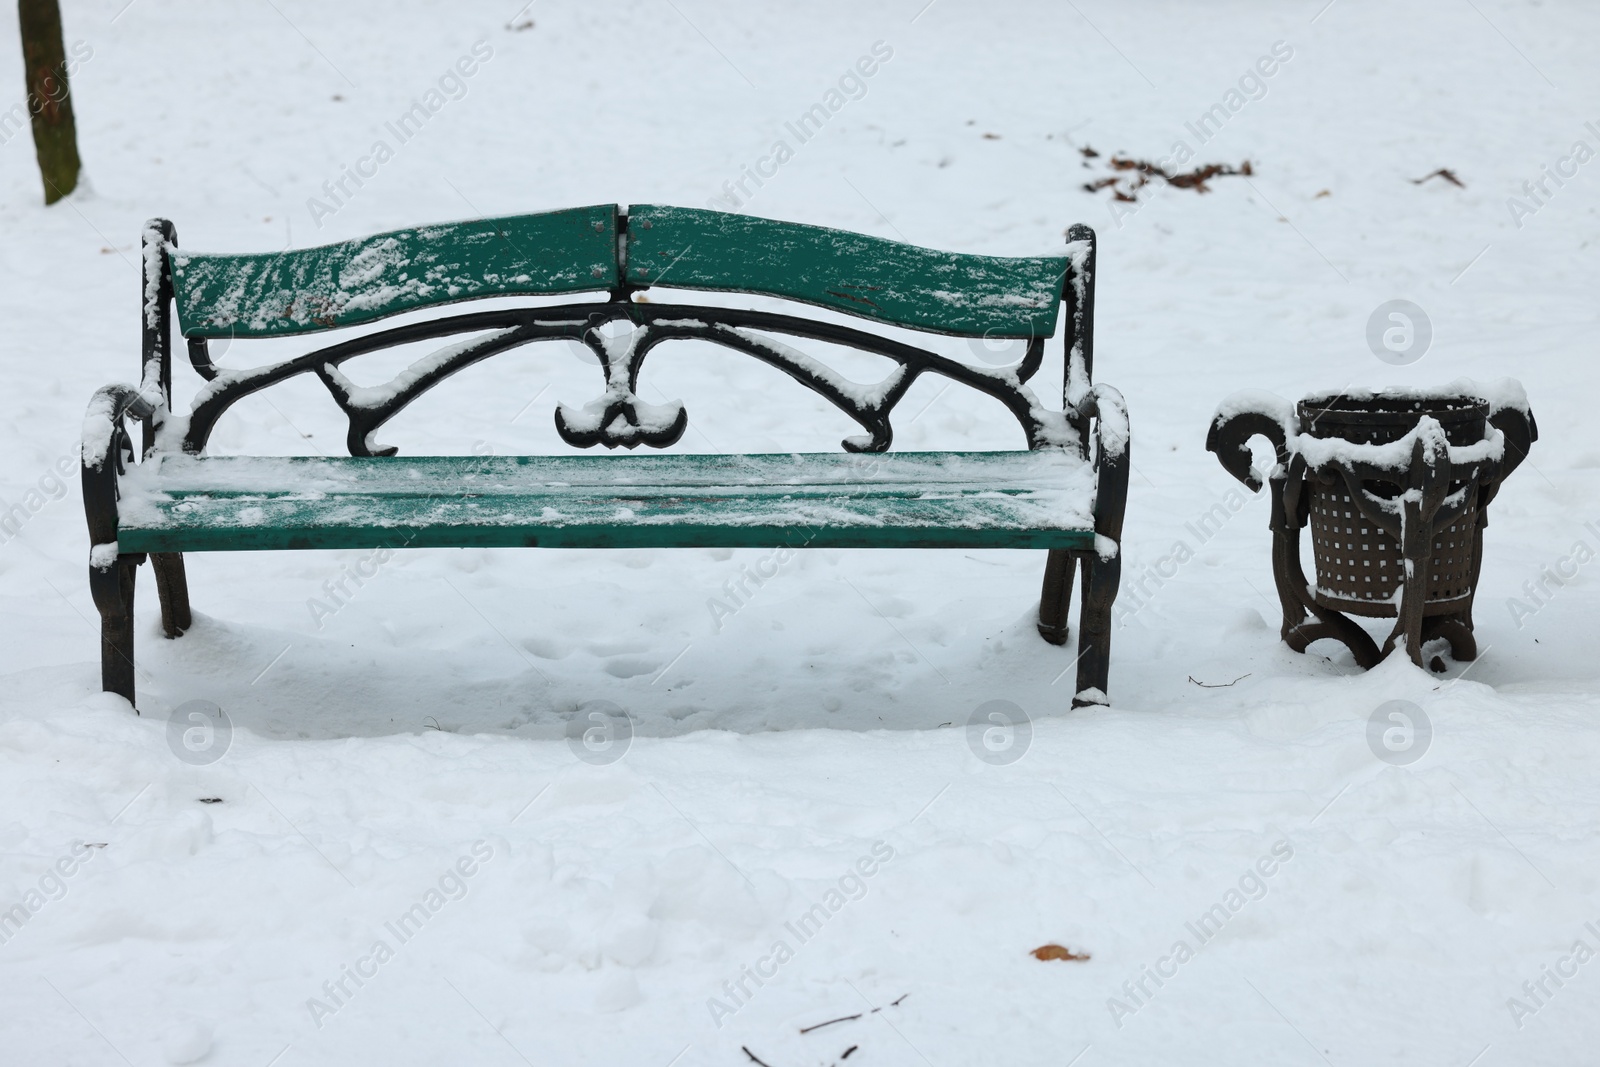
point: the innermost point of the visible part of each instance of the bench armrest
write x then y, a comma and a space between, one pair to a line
106, 450
1111, 442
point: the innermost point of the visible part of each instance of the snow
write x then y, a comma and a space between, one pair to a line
1393, 455
1111, 411
1261, 402
153, 245
99, 430
759, 762
1047, 489
866, 398
376, 396
100, 418
1042, 298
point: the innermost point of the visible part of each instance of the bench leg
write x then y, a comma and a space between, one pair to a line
172, 587
1100, 580
112, 588
1056, 597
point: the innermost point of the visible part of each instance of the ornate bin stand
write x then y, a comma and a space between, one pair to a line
1395, 487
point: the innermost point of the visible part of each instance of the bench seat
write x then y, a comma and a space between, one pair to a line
1035, 500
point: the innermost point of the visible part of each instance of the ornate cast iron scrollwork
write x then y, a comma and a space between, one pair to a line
618, 417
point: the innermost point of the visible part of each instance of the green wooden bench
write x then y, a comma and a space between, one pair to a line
1064, 492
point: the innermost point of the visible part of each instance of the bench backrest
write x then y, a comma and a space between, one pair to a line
607, 250
274, 294
890, 282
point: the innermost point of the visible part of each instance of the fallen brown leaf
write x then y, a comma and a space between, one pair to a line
1195, 179
1056, 952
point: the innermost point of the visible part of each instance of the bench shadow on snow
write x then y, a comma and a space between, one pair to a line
281, 684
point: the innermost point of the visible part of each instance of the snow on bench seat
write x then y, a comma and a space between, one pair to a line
1041, 499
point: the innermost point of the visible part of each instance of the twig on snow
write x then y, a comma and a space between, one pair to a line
1217, 685
1443, 172
830, 1022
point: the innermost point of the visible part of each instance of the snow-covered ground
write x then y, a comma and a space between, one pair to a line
811, 750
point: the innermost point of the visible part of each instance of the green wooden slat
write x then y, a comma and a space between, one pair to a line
272, 294
902, 500
942, 292
681, 536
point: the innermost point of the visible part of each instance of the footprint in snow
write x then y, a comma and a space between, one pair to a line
630, 666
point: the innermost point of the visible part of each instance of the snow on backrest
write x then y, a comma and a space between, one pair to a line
304, 290
874, 278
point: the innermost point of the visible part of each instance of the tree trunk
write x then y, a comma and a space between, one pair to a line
44, 61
